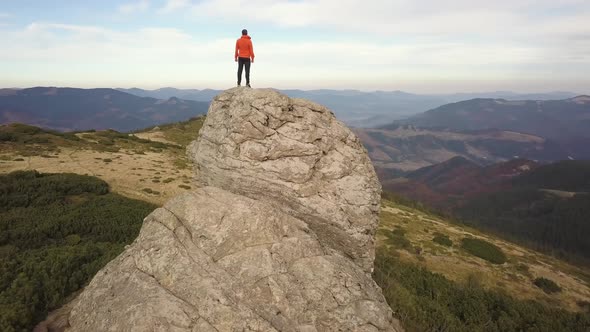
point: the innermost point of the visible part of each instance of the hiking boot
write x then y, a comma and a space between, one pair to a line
248, 85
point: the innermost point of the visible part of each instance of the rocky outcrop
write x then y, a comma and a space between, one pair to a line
293, 152
278, 238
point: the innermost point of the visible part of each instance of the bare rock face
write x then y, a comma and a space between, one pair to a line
260, 143
279, 238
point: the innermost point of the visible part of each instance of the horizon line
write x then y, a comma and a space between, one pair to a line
316, 89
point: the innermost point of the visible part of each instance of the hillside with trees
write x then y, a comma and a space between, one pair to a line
56, 232
545, 207
442, 276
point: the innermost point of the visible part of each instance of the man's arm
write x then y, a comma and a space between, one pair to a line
236, 54
252, 51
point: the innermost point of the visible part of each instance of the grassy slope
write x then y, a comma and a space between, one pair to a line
139, 168
514, 277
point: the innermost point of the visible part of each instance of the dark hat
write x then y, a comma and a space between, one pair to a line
244, 32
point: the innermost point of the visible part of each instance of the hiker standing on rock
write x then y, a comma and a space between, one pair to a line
244, 56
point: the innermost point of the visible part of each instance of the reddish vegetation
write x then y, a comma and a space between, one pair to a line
445, 185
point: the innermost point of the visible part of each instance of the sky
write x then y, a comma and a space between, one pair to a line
438, 46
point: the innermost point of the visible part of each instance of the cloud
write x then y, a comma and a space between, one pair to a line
134, 7
48, 41
173, 55
174, 5
391, 42
398, 18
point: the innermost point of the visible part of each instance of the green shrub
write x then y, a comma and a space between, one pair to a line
523, 268
56, 232
70, 136
73, 239
547, 285
442, 239
168, 180
8, 137
36, 140
107, 160
397, 239
25, 129
399, 231
585, 305
151, 191
184, 186
426, 301
106, 141
484, 250
158, 145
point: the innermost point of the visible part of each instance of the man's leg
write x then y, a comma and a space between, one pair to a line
247, 63
240, 68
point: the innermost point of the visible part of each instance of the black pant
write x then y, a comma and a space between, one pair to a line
241, 63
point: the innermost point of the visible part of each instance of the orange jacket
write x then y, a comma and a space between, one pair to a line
244, 48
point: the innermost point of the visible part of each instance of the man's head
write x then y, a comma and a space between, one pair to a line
244, 32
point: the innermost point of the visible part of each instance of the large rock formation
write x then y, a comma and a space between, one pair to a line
278, 238
294, 153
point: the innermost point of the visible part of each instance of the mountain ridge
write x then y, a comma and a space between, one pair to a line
541, 205
82, 109
551, 119
361, 108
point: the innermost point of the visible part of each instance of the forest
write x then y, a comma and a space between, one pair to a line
541, 220
56, 232
426, 301
547, 209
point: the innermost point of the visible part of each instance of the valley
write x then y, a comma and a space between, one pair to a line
406, 148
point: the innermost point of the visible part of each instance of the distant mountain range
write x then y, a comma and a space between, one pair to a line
555, 119
446, 185
205, 95
401, 148
82, 109
544, 206
358, 108
484, 131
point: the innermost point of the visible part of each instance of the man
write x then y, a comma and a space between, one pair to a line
244, 56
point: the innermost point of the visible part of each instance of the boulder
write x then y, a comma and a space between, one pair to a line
294, 153
278, 237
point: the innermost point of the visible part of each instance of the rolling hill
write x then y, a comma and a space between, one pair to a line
484, 131
543, 206
446, 185
69, 109
403, 148
360, 109
552, 119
